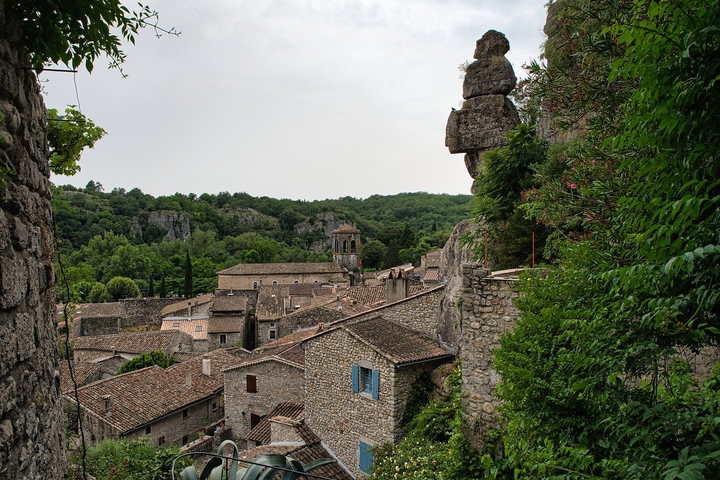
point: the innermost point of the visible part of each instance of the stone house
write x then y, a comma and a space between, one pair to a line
166, 405
196, 327
129, 345
94, 319
196, 307
83, 373
271, 329
249, 276
227, 321
261, 434
357, 380
255, 386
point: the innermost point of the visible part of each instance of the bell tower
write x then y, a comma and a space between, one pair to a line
346, 247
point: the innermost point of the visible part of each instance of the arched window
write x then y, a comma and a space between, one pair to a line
255, 285
345, 246
274, 282
353, 247
336, 245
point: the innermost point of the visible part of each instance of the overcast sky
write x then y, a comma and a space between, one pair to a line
300, 99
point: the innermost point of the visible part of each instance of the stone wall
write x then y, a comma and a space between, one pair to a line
276, 383
32, 443
341, 417
487, 311
133, 314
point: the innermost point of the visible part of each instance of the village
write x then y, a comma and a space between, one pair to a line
308, 360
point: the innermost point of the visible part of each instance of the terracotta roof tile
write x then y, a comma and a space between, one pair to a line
187, 326
112, 309
226, 324
370, 296
282, 268
293, 355
261, 432
272, 301
294, 337
395, 342
181, 307
432, 275
84, 373
230, 303
346, 228
140, 397
135, 342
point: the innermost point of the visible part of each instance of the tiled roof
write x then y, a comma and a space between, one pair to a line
311, 450
112, 309
294, 337
140, 397
433, 257
366, 295
187, 326
226, 324
346, 228
395, 342
432, 275
261, 432
383, 275
271, 301
84, 373
282, 268
306, 289
230, 303
293, 355
181, 307
135, 342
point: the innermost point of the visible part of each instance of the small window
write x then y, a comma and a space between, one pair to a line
316, 282
365, 457
272, 335
251, 384
272, 324
296, 282
214, 407
185, 439
223, 339
186, 413
176, 324
255, 285
365, 380
161, 440
198, 328
148, 430
274, 282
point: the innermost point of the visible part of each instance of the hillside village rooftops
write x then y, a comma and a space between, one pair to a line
226, 324
141, 397
229, 303
261, 432
283, 269
197, 328
84, 373
181, 307
399, 344
135, 342
294, 337
293, 355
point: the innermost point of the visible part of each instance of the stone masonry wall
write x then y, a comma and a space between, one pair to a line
276, 383
487, 312
32, 443
341, 417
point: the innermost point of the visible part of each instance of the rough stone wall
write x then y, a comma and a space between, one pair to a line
245, 282
276, 382
296, 321
341, 417
488, 311
32, 443
419, 312
135, 313
213, 340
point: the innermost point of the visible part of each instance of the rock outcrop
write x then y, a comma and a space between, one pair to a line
487, 114
319, 231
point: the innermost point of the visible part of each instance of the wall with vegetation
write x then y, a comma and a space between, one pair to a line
31, 426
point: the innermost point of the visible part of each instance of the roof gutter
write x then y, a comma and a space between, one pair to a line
407, 364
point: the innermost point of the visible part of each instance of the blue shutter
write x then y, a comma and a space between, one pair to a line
355, 378
366, 458
375, 383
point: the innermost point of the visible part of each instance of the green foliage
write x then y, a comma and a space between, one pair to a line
122, 287
188, 286
372, 254
68, 136
81, 33
435, 446
596, 374
155, 357
98, 294
132, 460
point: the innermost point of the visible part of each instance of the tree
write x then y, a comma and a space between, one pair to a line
188, 285
163, 289
68, 136
122, 287
151, 287
99, 294
372, 253
155, 357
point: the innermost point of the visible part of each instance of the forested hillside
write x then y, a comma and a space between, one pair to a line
131, 234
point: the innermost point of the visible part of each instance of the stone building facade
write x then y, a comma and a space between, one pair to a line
115, 317
346, 247
89, 349
357, 381
256, 386
32, 433
249, 276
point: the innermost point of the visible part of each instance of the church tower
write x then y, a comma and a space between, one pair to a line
346, 247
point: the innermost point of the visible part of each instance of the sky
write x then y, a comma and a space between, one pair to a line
298, 99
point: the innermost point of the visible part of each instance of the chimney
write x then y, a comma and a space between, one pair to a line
206, 370
106, 402
189, 310
188, 380
396, 285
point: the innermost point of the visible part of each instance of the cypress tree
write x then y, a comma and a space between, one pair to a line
163, 290
188, 275
151, 288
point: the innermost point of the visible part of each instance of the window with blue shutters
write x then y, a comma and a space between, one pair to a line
365, 380
366, 459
